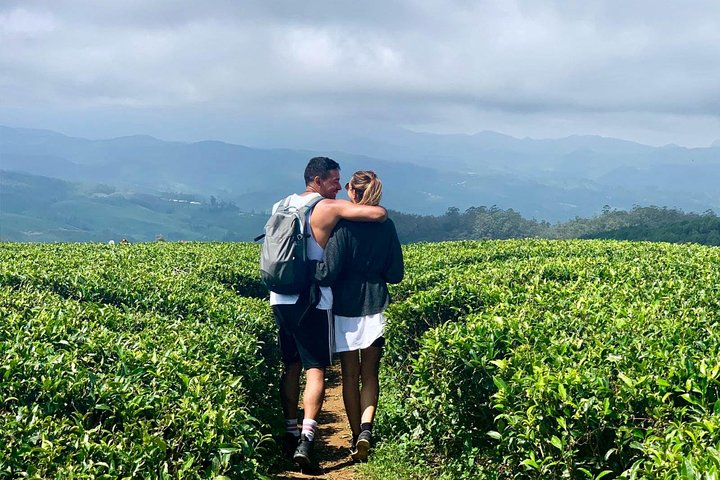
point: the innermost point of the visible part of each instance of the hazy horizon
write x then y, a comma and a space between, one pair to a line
287, 75
421, 132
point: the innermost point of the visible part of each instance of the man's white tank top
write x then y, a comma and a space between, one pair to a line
314, 252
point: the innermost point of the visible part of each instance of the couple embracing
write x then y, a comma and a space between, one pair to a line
353, 252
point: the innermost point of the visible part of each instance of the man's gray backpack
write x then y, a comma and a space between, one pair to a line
283, 257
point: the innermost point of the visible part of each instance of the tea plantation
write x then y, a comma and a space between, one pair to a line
541, 359
135, 361
510, 359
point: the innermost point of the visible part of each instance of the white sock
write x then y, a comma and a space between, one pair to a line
308, 429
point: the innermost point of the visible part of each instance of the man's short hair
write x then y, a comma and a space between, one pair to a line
319, 167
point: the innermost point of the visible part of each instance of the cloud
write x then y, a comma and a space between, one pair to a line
412, 63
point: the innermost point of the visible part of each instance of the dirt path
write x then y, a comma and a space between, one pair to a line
334, 436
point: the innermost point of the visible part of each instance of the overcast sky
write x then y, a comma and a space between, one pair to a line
259, 72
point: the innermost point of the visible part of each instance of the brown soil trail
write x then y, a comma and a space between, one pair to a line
333, 447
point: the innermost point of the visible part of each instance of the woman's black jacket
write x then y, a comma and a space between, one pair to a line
361, 258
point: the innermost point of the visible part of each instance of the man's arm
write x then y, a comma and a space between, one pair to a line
357, 213
328, 212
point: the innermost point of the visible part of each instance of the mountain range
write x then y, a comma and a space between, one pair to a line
547, 179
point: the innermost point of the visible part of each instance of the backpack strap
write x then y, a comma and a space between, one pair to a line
307, 199
309, 205
303, 211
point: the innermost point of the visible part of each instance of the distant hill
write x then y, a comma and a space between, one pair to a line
578, 156
551, 180
41, 209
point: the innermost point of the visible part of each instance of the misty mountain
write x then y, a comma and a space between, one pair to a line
575, 157
486, 149
545, 179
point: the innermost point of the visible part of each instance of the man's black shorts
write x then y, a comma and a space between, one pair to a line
305, 334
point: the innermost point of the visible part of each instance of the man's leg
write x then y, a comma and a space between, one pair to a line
290, 378
314, 341
290, 395
313, 398
314, 393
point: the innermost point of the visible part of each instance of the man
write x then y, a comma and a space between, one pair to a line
306, 331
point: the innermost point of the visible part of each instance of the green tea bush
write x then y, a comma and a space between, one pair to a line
130, 361
587, 360
509, 359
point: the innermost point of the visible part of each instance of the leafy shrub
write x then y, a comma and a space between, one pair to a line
586, 360
130, 361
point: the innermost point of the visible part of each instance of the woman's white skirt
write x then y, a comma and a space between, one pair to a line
355, 333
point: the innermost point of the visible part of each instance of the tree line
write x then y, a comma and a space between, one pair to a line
656, 224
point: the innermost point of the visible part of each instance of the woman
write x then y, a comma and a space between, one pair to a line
360, 260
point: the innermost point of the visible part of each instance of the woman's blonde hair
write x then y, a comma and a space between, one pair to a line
367, 186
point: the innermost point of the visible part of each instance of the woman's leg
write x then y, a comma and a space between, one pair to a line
350, 363
369, 368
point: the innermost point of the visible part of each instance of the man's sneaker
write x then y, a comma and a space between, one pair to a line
303, 452
362, 447
290, 443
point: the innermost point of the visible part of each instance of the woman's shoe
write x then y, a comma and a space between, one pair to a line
353, 449
362, 447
